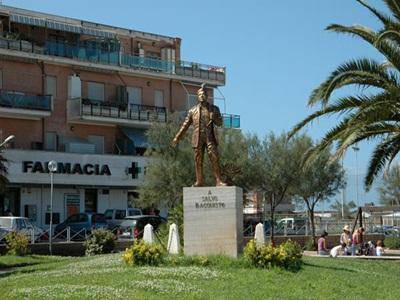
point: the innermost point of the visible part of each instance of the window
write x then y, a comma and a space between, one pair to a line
120, 214
96, 91
51, 86
134, 95
98, 142
50, 142
159, 98
134, 212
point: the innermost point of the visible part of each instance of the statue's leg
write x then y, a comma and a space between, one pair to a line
198, 163
212, 151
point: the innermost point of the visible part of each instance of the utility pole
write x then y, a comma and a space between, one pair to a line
343, 194
356, 149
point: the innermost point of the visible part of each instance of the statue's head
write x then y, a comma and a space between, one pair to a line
202, 95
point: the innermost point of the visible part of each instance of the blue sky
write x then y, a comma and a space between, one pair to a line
275, 52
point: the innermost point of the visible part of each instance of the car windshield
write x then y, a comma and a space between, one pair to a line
128, 223
6, 222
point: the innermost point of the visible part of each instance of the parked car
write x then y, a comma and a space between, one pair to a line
115, 217
133, 227
23, 225
80, 224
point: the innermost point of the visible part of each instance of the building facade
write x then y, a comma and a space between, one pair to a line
83, 94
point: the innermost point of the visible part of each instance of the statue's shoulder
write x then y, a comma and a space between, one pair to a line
214, 107
193, 109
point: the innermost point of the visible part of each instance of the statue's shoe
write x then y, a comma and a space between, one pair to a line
197, 184
221, 183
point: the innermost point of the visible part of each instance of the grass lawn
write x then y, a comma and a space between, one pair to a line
105, 277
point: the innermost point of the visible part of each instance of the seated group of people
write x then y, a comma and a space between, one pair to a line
350, 244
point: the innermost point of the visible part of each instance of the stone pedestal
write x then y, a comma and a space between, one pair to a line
213, 220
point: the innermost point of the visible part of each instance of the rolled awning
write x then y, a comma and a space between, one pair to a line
56, 25
137, 136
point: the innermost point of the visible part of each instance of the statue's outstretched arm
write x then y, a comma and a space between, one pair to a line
185, 126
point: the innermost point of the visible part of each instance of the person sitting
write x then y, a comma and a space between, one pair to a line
322, 250
379, 248
357, 241
345, 239
338, 250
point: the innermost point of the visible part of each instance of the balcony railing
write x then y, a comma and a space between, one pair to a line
21, 101
231, 121
134, 112
108, 57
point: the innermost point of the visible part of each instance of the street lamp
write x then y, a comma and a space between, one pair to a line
356, 149
7, 140
52, 166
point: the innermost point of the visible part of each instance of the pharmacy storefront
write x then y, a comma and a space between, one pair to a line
83, 182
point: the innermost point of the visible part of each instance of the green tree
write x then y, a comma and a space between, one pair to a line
349, 209
373, 112
276, 167
171, 169
389, 189
319, 181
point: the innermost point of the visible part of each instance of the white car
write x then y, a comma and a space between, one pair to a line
20, 224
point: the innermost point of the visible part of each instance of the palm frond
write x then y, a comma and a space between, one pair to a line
383, 153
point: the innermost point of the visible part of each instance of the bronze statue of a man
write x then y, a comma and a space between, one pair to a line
203, 116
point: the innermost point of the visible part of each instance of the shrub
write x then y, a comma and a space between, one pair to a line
141, 253
310, 245
293, 251
392, 242
101, 241
16, 243
287, 256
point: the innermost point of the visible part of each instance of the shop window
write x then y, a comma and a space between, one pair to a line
95, 91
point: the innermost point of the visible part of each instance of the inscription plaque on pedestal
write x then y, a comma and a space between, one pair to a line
213, 220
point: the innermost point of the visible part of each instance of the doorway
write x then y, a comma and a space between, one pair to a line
91, 200
10, 202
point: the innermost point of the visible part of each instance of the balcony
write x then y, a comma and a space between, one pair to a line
231, 121
86, 111
15, 104
86, 54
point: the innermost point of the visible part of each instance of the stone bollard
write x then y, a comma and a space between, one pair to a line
148, 234
259, 236
173, 240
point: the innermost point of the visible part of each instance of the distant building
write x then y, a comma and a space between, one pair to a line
83, 94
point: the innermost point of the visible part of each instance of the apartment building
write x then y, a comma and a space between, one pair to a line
83, 94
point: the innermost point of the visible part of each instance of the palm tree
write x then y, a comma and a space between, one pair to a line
373, 112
